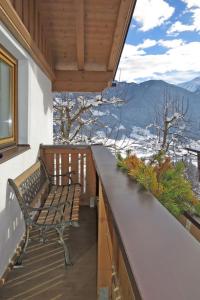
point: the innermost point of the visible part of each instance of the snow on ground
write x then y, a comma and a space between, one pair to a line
98, 113
144, 144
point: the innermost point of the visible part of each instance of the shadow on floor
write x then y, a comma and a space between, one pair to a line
44, 275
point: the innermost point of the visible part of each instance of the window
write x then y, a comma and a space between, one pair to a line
8, 104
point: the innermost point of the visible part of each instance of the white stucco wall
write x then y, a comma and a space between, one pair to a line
35, 127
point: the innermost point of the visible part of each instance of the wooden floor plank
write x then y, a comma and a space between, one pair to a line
44, 276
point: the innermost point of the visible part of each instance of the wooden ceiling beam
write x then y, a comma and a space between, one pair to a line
85, 81
80, 29
71, 65
83, 76
70, 86
124, 16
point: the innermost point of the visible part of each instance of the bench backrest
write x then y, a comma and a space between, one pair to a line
30, 187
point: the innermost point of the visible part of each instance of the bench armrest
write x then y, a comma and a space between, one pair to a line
69, 184
50, 176
65, 174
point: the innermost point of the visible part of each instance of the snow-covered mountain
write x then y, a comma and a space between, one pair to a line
192, 85
141, 102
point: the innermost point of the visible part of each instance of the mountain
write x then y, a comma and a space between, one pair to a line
144, 99
192, 85
141, 101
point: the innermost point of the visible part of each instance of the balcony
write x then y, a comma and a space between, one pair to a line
130, 247
44, 275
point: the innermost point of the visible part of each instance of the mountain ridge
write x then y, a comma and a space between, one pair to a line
192, 85
142, 99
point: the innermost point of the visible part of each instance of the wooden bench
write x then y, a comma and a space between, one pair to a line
46, 206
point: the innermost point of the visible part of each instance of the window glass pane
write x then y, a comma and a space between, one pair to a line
6, 126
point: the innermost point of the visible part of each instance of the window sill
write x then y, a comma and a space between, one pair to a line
10, 152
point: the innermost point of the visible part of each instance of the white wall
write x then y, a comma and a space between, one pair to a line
35, 127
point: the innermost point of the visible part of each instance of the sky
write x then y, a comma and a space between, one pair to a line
163, 42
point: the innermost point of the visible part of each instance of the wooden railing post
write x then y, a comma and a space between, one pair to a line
198, 161
60, 159
104, 275
91, 177
113, 282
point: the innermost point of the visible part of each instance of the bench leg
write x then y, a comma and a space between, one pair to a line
66, 250
19, 259
43, 237
75, 224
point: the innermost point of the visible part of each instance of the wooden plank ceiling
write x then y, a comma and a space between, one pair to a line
82, 40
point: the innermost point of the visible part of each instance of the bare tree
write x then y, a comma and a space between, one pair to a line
74, 112
115, 136
170, 123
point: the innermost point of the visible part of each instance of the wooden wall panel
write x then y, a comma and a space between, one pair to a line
18, 5
32, 17
12, 2
12, 16
26, 13
36, 21
39, 31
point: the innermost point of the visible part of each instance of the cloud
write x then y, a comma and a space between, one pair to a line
138, 49
147, 44
152, 13
134, 50
180, 27
177, 64
192, 3
171, 43
193, 7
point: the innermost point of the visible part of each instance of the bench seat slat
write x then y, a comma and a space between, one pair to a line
76, 202
60, 194
63, 198
67, 209
46, 217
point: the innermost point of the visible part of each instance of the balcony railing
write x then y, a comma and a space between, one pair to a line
143, 251
60, 159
